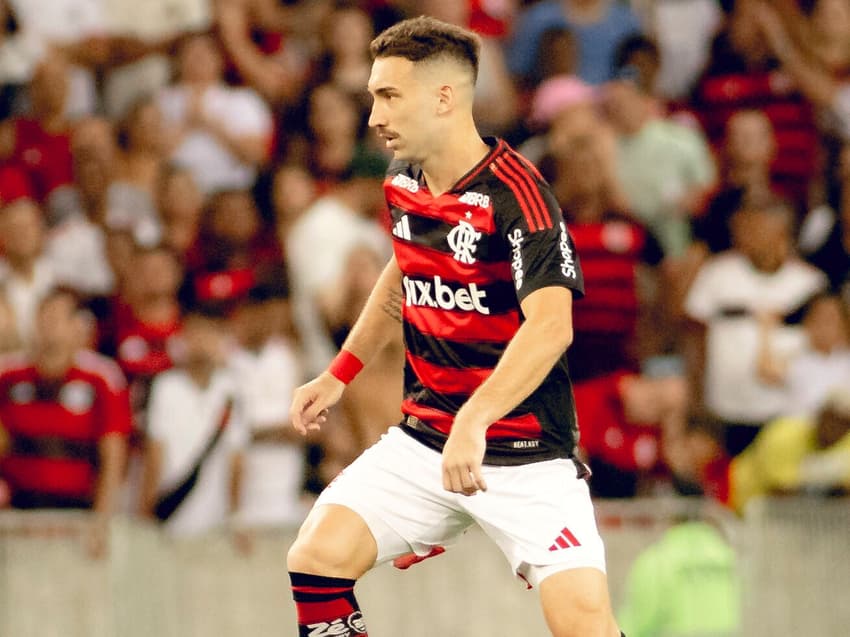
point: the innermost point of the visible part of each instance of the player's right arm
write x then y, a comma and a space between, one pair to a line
375, 327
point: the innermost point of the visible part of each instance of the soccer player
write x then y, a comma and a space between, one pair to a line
482, 282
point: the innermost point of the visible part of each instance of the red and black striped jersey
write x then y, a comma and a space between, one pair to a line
468, 258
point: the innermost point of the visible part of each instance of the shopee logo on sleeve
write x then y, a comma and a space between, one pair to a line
515, 238
435, 293
568, 264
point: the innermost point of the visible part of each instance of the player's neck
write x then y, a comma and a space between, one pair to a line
451, 161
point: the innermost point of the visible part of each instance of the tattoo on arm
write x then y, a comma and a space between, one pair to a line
392, 306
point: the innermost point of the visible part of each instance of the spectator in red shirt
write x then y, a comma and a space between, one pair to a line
66, 415
144, 320
624, 419
233, 252
39, 143
614, 251
744, 74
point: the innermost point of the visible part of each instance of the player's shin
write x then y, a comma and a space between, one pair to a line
326, 606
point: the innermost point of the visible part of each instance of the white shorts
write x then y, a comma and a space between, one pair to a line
539, 514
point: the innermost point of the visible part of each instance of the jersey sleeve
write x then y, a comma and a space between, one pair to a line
540, 249
117, 417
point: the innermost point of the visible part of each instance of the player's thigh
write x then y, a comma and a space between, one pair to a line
576, 603
395, 489
541, 517
333, 541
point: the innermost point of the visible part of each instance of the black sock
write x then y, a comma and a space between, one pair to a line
326, 606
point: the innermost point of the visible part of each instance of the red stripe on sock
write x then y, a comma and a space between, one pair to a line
562, 542
322, 590
314, 612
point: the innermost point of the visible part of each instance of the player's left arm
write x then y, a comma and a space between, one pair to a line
535, 348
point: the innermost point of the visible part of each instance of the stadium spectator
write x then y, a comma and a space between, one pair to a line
686, 584
66, 414
26, 275
345, 35
744, 74
143, 321
254, 37
333, 141
77, 242
293, 191
797, 455
338, 222
665, 168
599, 26
618, 258
557, 54
821, 364
181, 208
196, 434
564, 109
234, 251
683, 30
625, 416
749, 151
825, 235
791, 455
759, 276
20, 52
224, 133
39, 142
267, 370
145, 148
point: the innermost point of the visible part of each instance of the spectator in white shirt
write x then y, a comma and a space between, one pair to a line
338, 222
26, 275
224, 132
267, 370
732, 290
188, 405
822, 364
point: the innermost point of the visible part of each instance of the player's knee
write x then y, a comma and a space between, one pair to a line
309, 555
582, 612
326, 548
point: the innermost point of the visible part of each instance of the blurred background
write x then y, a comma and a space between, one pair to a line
191, 218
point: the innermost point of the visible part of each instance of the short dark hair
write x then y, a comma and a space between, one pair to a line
426, 38
629, 47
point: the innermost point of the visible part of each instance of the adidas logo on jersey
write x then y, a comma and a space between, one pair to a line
402, 228
437, 294
475, 199
403, 181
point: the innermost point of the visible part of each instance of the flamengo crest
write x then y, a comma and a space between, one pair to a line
462, 240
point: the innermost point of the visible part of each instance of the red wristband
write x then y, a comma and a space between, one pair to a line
345, 366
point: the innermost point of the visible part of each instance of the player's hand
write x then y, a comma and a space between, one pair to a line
463, 455
310, 402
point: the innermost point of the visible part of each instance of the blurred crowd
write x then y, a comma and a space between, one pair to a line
191, 218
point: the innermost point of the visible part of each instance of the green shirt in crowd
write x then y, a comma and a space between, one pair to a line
684, 585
